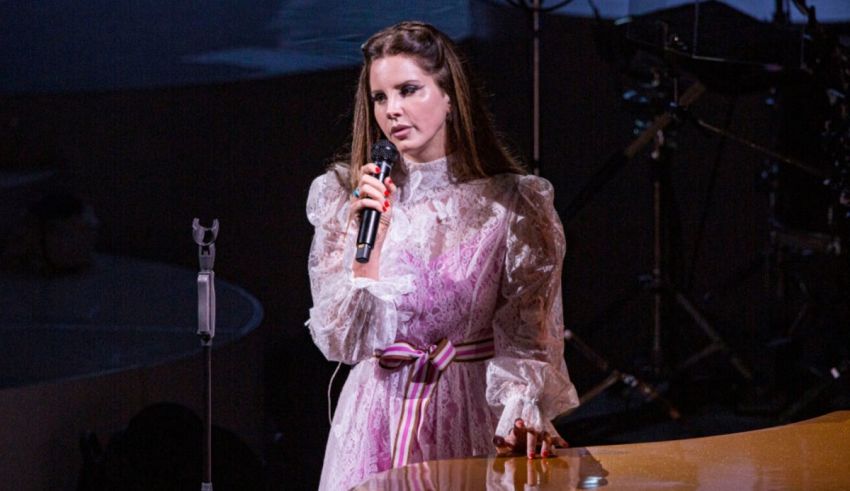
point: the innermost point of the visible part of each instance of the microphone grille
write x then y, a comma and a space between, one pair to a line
384, 151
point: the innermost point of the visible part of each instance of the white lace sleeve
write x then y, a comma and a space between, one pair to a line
528, 377
350, 316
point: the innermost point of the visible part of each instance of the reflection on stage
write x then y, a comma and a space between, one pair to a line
807, 455
574, 468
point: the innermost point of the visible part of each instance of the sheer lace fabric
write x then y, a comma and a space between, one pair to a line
462, 261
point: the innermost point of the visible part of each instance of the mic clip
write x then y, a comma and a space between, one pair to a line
205, 238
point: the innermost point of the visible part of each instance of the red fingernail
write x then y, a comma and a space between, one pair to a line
387, 192
386, 204
389, 180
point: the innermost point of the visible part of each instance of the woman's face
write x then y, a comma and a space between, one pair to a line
410, 108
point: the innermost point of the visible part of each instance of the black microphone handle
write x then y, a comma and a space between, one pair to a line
370, 220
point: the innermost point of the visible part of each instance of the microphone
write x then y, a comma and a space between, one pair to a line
384, 155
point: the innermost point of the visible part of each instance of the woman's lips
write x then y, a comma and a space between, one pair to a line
400, 131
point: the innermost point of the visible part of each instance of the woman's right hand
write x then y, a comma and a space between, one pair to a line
376, 195
372, 193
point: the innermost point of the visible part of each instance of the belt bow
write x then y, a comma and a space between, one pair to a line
428, 363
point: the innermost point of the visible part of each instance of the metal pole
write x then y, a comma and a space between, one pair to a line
206, 484
535, 124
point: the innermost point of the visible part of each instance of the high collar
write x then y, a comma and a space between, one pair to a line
418, 179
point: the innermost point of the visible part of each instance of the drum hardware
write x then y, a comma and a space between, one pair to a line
803, 166
835, 374
659, 282
828, 63
717, 71
535, 8
806, 243
802, 241
787, 244
649, 392
818, 60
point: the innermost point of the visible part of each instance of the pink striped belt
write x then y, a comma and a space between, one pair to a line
428, 364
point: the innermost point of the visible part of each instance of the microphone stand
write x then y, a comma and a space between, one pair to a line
205, 238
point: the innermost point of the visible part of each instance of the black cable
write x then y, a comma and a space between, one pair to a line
500, 4
802, 8
595, 9
709, 193
556, 6
597, 181
526, 5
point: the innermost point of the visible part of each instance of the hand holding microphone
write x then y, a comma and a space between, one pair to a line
373, 193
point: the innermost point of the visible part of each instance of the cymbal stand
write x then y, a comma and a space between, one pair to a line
659, 282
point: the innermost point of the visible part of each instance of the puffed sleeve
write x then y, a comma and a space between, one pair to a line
528, 377
350, 317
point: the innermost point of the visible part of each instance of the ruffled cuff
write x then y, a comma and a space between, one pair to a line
526, 409
535, 391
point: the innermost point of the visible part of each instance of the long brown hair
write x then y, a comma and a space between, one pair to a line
476, 149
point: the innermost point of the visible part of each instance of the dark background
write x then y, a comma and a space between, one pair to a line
149, 159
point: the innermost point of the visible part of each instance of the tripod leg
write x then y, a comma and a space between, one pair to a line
649, 392
599, 388
810, 395
717, 343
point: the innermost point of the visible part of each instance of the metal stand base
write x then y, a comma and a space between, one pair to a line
717, 343
649, 392
835, 374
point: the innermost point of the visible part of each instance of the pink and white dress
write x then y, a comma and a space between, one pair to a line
467, 316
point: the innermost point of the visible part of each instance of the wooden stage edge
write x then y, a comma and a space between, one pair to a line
807, 455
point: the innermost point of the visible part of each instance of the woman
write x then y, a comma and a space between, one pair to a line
461, 298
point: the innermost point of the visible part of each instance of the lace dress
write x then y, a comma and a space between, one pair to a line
470, 266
